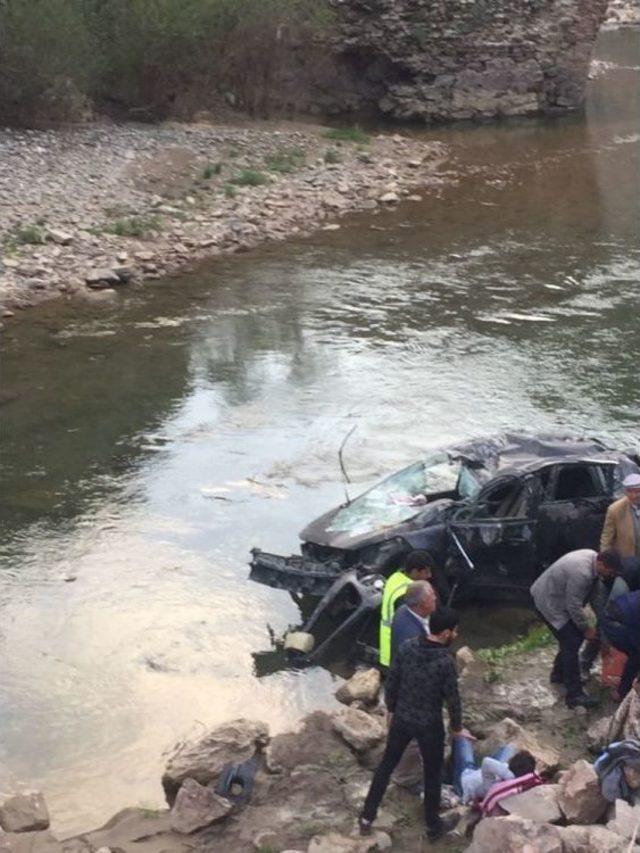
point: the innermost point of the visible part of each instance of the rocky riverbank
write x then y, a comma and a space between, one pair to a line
87, 210
623, 13
301, 791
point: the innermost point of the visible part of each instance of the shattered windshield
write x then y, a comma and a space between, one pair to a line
401, 496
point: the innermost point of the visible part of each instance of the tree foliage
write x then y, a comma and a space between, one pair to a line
145, 54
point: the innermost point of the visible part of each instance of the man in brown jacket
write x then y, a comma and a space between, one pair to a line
621, 529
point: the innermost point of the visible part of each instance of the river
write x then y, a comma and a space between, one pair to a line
149, 445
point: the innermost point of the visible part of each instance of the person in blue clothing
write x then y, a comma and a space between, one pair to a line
412, 618
620, 625
472, 782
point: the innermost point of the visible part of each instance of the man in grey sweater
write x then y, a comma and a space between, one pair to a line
560, 595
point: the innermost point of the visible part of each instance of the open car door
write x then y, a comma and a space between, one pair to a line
574, 504
495, 535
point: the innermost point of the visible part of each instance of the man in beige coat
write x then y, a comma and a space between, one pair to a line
621, 529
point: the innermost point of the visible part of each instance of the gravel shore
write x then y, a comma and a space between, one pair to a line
623, 13
88, 209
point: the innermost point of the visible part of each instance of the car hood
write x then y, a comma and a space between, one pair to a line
319, 532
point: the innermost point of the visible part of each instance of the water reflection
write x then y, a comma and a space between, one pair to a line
149, 446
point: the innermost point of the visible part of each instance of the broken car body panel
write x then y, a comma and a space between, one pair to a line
493, 512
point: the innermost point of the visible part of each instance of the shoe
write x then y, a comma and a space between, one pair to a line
365, 826
435, 832
582, 700
443, 826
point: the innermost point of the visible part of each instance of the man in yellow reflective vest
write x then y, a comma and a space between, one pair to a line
418, 567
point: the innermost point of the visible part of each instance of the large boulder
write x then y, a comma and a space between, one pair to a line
588, 839
24, 813
515, 835
312, 744
196, 807
359, 729
625, 820
363, 686
204, 759
538, 804
41, 841
507, 731
579, 797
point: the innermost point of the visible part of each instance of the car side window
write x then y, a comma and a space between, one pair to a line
578, 481
504, 500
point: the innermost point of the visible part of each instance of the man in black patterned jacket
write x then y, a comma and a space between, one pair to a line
422, 678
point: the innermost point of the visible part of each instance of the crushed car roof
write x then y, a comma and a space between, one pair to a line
518, 450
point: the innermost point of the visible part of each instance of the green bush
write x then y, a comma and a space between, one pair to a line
332, 156
145, 54
29, 234
249, 178
348, 134
134, 226
48, 58
285, 161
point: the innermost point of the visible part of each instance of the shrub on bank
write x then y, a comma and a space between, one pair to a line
145, 55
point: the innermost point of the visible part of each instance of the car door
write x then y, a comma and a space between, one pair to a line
495, 535
573, 507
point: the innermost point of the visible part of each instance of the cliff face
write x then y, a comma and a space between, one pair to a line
463, 59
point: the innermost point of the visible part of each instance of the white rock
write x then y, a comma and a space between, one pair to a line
359, 729
389, 198
626, 819
515, 835
24, 813
63, 238
464, 658
196, 807
538, 804
589, 839
102, 277
364, 686
579, 796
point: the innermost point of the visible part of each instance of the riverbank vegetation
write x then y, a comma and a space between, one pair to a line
537, 638
147, 58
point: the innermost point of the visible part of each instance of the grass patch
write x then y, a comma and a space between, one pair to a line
285, 161
538, 638
348, 134
331, 156
229, 191
249, 178
309, 828
134, 226
32, 235
210, 170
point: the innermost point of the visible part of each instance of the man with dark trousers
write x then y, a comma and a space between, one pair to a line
421, 679
560, 595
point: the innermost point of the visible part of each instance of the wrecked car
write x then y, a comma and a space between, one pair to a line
492, 512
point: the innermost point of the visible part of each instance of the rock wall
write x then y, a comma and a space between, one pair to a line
468, 59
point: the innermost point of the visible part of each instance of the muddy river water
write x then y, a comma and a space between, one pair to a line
149, 445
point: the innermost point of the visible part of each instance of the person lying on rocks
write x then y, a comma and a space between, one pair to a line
490, 805
422, 678
472, 782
